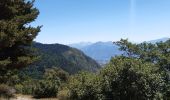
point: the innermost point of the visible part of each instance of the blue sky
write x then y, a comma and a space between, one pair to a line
72, 21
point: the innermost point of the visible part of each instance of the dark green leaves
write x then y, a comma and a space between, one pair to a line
15, 34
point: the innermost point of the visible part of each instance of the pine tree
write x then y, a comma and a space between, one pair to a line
16, 34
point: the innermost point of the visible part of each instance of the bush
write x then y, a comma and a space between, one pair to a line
122, 79
63, 95
83, 87
26, 87
46, 88
131, 79
55, 74
6, 91
50, 84
19, 88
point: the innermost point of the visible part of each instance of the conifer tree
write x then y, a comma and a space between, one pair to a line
16, 33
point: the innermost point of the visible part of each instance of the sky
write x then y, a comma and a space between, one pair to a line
73, 21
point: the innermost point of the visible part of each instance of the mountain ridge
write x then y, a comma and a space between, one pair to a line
103, 51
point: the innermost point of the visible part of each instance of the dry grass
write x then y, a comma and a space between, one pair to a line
63, 95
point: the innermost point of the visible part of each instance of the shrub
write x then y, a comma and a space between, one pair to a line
50, 84
19, 88
6, 91
82, 87
63, 95
122, 79
46, 88
26, 87
131, 79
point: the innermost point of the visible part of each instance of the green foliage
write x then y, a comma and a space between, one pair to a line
16, 38
141, 73
46, 88
15, 34
131, 79
19, 88
82, 87
9, 77
167, 92
55, 73
25, 85
66, 58
49, 85
158, 53
69, 59
63, 94
28, 86
123, 78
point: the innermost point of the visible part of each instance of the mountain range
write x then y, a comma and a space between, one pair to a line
100, 51
103, 51
158, 40
73, 60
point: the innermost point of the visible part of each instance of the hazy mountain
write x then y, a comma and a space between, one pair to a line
80, 45
158, 40
100, 51
103, 51
67, 58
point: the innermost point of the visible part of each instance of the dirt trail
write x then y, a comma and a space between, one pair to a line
27, 97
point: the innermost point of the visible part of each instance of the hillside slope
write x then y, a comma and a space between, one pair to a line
67, 58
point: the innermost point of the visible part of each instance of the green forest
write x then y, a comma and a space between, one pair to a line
57, 71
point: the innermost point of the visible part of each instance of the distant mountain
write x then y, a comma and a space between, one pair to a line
158, 40
100, 51
103, 51
67, 58
80, 45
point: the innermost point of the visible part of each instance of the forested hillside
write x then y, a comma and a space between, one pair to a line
69, 59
